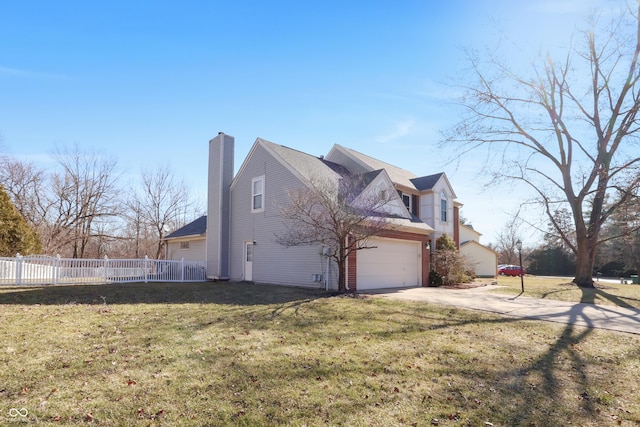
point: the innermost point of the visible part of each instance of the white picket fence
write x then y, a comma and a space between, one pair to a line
48, 270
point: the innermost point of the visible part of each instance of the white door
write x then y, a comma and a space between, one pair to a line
392, 264
248, 261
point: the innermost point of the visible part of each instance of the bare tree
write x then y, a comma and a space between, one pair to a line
506, 242
85, 193
569, 131
626, 225
338, 215
162, 203
25, 183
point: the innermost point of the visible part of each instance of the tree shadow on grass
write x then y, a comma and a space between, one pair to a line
589, 296
241, 293
529, 392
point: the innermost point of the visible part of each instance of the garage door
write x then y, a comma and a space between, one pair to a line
393, 263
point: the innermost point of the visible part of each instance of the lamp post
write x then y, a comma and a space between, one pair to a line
519, 247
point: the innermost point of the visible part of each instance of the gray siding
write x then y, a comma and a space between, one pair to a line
348, 162
272, 263
218, 214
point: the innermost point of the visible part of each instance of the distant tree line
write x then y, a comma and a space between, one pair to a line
84, 207
618, 255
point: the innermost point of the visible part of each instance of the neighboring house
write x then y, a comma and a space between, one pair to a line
188, 242
483, 260
244, 218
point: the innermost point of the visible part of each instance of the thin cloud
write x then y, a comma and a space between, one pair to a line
401, 129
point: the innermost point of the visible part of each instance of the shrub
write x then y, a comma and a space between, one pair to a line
15, 234
451, 266
435, 279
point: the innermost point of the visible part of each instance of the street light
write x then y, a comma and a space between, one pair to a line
519, 247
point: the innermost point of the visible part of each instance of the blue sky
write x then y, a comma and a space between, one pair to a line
152, 82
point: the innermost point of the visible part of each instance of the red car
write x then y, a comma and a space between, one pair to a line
510, 270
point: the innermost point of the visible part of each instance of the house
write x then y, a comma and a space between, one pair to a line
431, 198
188, 242
483, 259
243, 218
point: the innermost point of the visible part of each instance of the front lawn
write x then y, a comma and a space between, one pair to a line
210, 354
604, 293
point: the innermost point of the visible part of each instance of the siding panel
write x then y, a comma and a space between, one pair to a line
272, 263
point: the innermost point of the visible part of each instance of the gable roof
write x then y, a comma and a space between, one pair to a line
470, 229
309, 168
398, 175
469, 243
366, 179
426, 182
197, 227
303, 165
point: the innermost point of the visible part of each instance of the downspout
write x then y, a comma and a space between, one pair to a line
346, 270
326, 251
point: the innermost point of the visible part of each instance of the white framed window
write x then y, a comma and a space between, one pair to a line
257, 194
443, 207
184, 245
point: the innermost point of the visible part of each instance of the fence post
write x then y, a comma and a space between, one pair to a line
146, 269
18, 268
106, 262
56, 270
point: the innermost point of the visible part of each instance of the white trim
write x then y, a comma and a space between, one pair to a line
246, 264
444, 209
255, 194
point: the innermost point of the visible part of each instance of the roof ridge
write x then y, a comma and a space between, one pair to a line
373, 158
289, 148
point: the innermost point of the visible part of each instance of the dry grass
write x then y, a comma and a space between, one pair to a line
237, 354
605, 293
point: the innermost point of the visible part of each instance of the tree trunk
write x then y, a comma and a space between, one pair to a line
342, 271
584, 264
342, 285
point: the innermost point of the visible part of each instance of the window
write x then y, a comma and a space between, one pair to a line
249, 253
184, 245
443, 207
410, 201
257, 194
406, 199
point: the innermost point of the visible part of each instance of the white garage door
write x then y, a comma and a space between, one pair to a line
393, 263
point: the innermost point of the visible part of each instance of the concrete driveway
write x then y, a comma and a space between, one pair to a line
589, 315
